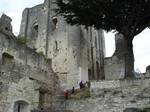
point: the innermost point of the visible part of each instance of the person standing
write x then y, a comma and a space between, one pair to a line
73, 90
66, 94
81, 84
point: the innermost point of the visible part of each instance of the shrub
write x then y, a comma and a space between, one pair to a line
22, 39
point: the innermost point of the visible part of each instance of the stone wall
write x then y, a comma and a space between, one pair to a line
30, 28
114, 96
147, 74
115, 65
5, 24
115, 84
114, 68
25, 77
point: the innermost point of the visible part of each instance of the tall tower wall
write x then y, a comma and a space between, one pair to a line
77, 53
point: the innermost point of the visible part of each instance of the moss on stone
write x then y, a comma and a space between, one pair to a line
22, 40
81, 94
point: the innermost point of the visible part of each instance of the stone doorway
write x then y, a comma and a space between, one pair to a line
21, 106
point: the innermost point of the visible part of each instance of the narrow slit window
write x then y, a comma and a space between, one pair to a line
35, 31
55, 22
56, 45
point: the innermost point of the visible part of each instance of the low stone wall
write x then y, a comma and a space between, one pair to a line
97, 86
105, 84
111, 84
114, 68
114, 96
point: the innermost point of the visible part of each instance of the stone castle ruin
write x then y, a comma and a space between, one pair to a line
77, 53
50, 56
25, 76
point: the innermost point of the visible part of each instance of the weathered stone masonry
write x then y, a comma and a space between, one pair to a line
115, 65
77, 53
27, 80
114, 96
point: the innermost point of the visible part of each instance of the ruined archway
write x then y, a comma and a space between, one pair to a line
21, 106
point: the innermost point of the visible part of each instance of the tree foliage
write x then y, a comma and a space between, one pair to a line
128, 17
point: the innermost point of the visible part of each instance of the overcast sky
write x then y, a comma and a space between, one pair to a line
14, 8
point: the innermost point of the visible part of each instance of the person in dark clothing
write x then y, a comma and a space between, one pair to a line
81, 84
73, 90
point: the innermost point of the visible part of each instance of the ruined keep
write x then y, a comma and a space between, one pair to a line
49, 56
77, 53
5, 24
26, 77
115, 65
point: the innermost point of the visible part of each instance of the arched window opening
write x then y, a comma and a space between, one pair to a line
55, 22
35, 31
7, 58
21, 106
7, 29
